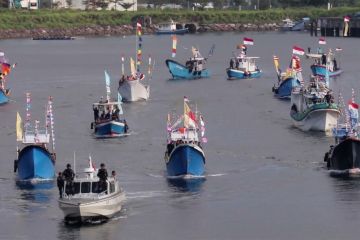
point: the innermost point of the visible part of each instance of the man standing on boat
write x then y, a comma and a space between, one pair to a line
60, 184
102, 175
69, 175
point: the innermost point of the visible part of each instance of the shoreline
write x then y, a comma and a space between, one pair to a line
127, 29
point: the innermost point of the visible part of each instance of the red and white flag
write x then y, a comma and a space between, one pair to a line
174, 43
346, 19
298, 51
248, 41
322, 41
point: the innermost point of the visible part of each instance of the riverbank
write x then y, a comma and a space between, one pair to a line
44, 23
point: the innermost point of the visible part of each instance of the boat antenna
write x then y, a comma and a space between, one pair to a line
74, 162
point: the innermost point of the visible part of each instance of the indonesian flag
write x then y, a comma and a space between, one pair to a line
298, 51
248, 41
346, 19
295, 64
322, 41
354, 110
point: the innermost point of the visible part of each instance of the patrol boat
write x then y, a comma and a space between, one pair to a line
86, 199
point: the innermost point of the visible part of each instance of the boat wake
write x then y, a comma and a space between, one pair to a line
34, 180
144, 194
354, 172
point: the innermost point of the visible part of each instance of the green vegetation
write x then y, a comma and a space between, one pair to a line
63, 19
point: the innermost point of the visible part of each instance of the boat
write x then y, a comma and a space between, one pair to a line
287, 80
194, 68
35, 159
245, 67
107, 122
184, 156
312, 107
325, 63
5, 69
170, 28
287, 25
343, 158
135, 87
87, 198
54, 38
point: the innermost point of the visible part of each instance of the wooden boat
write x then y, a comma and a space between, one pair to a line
325, 64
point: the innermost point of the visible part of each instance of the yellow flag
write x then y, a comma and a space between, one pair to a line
132, 67
19, 130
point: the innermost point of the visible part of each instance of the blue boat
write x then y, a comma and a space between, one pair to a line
184, 155
245, 67
325, 64
3, 97
287, 80
35, 161
107, 122
320, 70
170, 28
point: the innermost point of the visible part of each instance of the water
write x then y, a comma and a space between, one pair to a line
265, 179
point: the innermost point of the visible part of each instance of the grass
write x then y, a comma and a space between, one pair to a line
63, 19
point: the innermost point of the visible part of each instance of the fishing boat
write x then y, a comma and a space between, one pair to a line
184, 156
242, 66
87, 199
312, 107
107, 122
324, 63
170, 28
135, 87
287, 24
194, 68
343, 158
287, 80
35, 159
5, 69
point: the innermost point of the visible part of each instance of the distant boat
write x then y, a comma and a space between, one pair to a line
86, 198
287, 25
325, 63
312, 107
170, 28
35, 161
193, 69
344, 157
107, 122
135, 87
5, 69
287, 80
242, 66
54, 38
184, 156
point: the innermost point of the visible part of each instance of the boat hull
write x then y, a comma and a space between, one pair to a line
284, 89
179, 71
239, 74
317, 120
134, 90
110, 129
3, 97
345, 155
177, 31
35, 162
186, 160
321, 71
87, 209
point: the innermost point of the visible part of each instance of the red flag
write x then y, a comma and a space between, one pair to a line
297, 50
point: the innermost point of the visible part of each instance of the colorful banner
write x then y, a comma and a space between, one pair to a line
28, 107
139, 47
19, 128
50, 120
174, 43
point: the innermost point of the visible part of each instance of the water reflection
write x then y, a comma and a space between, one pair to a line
347, 189
192, 185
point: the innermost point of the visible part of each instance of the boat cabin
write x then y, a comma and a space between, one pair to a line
106, 111
246, 63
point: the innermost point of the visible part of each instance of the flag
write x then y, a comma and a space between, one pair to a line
353, 109
19, 129
107, 82
322, 41
122, 65
338, 49
5, 68
202, 124
149, 68
91, 164
132, 67
119, 99
296, 64
298, 51
248, 41
346, 19
186, 99
277, 64
189, 117
174, 42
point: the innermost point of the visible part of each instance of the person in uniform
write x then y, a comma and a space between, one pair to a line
102, 175
68, 175
60, 184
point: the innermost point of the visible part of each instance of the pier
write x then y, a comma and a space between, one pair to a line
335, 27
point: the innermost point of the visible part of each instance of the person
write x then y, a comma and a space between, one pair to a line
60, 184
309, 49
96, 114
126, 127
113, 174
101, 100
122, 80
231, 63
102, 117
102, 175
107, 115
68, 175
237, 64
335, 65
323, 59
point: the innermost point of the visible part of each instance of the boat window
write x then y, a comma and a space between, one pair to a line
112, 187
95, 187
85, 187
76, 187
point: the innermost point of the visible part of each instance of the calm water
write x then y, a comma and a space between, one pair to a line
265, 179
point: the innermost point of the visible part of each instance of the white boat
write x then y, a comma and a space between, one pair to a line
133, 89
312, 108
86, 200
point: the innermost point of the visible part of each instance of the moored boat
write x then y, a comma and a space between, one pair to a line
35, 161
312, 107
344, 156
184, 156
170, 28
194, 68
88, 198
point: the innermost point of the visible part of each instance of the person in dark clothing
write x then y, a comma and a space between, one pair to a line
96, 114
335, 64
102, 175
231, 63
323, 59
68, 175
60, 184
237, 63
126, 127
